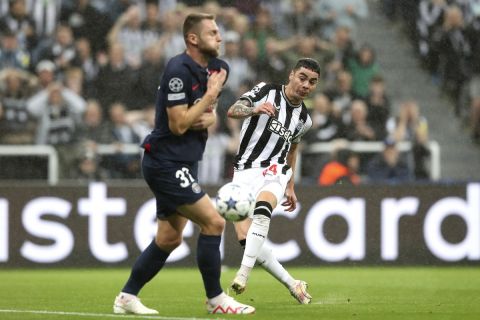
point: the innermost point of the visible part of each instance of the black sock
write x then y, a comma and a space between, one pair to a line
148, 264
242, 243
209, 263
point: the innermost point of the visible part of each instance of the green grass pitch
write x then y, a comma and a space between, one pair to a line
338, 293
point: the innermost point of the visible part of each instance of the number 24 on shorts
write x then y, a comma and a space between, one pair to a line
271, 171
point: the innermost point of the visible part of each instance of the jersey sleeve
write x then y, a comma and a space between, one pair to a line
304, 128
176, 84
256, 94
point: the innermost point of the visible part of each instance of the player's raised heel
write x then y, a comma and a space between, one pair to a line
299, 292
125, 303
238, 286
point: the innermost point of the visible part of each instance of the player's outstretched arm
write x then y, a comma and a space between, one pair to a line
242, 109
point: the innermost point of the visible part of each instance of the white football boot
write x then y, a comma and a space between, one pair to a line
239, 284
228, 305
299, 292
127, 303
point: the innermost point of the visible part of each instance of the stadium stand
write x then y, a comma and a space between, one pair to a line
368, 55
406, 78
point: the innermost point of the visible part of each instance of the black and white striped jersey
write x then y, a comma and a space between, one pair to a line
265, 140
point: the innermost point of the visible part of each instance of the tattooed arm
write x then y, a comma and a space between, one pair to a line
242, 109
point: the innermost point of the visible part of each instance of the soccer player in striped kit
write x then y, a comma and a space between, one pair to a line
275, 119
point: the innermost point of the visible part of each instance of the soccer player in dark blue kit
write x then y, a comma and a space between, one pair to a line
186, 99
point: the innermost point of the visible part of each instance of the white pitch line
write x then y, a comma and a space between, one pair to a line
106, 315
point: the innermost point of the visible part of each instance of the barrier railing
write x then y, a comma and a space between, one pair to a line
377, 146
35, 150
109, 149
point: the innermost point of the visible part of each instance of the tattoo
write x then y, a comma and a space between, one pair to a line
240, 109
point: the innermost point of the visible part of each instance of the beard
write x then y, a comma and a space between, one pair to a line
208, 51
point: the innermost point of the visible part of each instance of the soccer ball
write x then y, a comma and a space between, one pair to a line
234, 201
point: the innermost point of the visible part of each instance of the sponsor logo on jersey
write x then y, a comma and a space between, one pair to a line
175, 84
276, 126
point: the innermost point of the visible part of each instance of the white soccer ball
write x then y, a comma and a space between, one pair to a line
234, 201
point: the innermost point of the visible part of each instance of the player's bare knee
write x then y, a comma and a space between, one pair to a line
168, 243
213, 226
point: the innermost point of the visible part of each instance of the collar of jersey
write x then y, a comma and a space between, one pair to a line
287, 100
189, 61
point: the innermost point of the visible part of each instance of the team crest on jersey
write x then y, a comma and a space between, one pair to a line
175, 84
300, 125
256, 89
196, 188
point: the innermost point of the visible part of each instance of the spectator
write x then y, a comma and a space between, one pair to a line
378, 107
455, 52
149, 75
18, 21
125, 166
239, 68
326, 127
261, 31
74, 80
250, 52
429, 23
61, 50
388, 166
89, 65
87, 22
474, 83
46, 16
363, 68
342, 169
116, 80
411, 126
11, 55
358, 128
341, 94
58, 111
92, 131
334, 13
45, 70
128, 33
142, 121
171, 39
301, 20
152, 25
16, 125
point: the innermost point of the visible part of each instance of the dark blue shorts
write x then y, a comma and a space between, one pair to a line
173, 184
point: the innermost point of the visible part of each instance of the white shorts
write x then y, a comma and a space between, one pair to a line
273, 179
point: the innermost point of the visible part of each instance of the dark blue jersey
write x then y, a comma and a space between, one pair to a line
183, 82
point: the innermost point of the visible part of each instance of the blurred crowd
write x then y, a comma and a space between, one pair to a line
446, 36
76, 74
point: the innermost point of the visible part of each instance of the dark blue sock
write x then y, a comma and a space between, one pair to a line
209, 263
148, 264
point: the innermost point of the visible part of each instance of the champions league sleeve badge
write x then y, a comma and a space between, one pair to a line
175, 84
